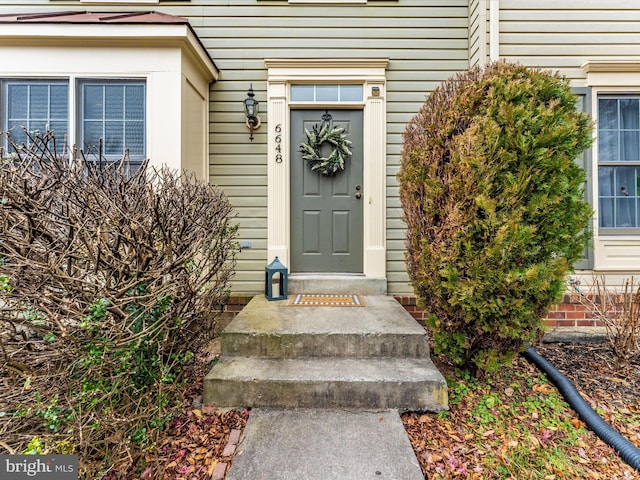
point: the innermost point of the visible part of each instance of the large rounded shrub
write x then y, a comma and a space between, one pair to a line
494, 206
110, 283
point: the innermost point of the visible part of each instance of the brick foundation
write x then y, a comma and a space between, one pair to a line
235, 304
410, 305
570, 313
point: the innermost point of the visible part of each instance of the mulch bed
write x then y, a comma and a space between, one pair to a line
592, 369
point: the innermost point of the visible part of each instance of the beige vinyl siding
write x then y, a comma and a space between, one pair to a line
194, 128
561, 35
426, 41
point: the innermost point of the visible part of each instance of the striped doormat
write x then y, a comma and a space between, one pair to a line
304, 300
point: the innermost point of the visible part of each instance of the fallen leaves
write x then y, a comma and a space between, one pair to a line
577, 423
543, 388
195, 443
514, 428
518, 427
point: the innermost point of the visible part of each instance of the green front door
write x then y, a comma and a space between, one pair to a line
326, 211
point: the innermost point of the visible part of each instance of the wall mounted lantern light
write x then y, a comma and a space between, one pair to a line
251, 109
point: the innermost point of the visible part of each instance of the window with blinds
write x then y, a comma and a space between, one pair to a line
619, 163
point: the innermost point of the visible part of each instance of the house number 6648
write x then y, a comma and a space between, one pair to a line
278, 140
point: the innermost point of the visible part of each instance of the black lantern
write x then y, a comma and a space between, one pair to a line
251, 109
276, 268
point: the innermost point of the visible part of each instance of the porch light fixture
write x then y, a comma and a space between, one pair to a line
251, 109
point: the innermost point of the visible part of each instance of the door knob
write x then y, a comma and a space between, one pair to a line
358, 195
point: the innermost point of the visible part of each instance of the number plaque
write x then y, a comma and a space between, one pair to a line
278, 140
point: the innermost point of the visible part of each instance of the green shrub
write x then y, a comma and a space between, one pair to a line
494, 206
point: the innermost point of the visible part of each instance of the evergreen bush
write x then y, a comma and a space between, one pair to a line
494, 207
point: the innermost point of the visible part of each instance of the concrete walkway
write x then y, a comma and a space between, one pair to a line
321, 444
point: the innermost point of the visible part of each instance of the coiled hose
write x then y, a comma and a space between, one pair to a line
628, 452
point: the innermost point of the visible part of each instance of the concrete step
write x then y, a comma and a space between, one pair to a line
276, 330
402, 384
323, 283
324, 445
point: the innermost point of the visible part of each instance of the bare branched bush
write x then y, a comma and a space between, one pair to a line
619, 312
109, 279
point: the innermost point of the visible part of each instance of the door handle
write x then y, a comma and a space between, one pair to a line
358, 195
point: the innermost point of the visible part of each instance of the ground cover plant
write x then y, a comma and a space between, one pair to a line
110, 280
494, 207
515, 425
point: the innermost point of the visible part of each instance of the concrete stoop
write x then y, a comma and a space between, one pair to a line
280, 356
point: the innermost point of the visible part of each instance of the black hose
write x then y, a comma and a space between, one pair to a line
628, 451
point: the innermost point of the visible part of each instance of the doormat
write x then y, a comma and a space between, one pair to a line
326, 301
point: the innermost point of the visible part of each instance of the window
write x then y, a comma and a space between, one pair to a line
326, 93
113, 111
619, 163
131, 2
37, 106
109, 111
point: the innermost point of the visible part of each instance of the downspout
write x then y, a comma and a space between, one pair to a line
627, 450
494, 30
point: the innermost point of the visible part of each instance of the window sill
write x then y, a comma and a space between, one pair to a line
345, 2
619, 232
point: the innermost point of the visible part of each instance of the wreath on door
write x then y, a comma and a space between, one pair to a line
340, 153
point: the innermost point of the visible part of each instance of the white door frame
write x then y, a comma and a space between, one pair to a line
371, 74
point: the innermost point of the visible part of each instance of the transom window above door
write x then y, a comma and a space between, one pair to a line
122, 2
326, 93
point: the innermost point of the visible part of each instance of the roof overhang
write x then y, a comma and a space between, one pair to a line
81, 29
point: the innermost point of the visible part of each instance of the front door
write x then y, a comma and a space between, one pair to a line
326, 211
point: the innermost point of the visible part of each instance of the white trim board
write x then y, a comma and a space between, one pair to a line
371, 74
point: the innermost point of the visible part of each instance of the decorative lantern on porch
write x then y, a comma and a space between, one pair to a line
270, 270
